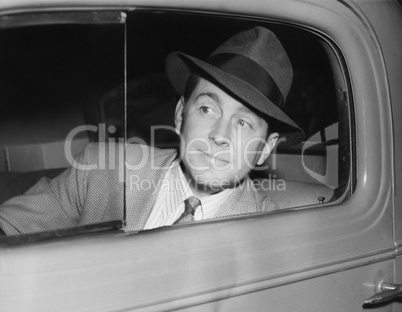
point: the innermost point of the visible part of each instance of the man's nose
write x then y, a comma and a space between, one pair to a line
220, 133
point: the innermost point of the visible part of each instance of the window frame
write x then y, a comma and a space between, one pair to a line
348, 180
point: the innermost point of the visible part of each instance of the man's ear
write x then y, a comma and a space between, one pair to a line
178, 116
268, 147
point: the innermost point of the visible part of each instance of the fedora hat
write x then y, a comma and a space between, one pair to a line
254, 67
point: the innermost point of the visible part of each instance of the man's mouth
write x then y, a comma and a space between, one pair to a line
215, 158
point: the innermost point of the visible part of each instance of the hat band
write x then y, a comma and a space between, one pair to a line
249, 71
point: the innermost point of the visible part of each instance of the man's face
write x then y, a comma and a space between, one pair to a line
222, 140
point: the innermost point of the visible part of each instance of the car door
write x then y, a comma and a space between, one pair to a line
393, 63
327, 255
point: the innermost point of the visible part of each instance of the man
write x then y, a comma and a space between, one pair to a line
228, 118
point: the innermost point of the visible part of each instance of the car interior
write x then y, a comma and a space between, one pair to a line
59, 72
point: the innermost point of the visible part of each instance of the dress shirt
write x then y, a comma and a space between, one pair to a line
169, 204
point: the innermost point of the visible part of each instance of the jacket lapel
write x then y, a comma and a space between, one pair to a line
143, 184
242, 201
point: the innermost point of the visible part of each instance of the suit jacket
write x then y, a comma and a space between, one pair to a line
103, 180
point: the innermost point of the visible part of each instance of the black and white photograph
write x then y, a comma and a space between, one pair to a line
216, 155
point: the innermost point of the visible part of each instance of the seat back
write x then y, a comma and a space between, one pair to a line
297, 194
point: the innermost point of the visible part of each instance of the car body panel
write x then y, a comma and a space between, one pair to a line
393, 60
328, 257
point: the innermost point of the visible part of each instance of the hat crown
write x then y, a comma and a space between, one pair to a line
263, 47
253, 67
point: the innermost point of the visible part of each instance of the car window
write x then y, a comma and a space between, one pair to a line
312, 173
104, 81
54, 69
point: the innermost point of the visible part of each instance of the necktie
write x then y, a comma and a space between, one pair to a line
190, 205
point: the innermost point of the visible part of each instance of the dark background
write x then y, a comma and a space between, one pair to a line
55, 77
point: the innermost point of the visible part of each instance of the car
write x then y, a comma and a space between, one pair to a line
74, 73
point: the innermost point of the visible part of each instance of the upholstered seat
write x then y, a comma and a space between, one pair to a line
296, 194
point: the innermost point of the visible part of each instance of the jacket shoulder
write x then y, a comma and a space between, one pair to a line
112, 155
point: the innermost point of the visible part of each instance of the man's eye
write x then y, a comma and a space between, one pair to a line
242, 123
205, 110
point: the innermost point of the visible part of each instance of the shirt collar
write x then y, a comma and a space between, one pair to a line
185, 190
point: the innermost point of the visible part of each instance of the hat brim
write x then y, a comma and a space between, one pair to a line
180, 66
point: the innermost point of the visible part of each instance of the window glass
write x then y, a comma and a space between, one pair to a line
105, 81
299, 175
52, 78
